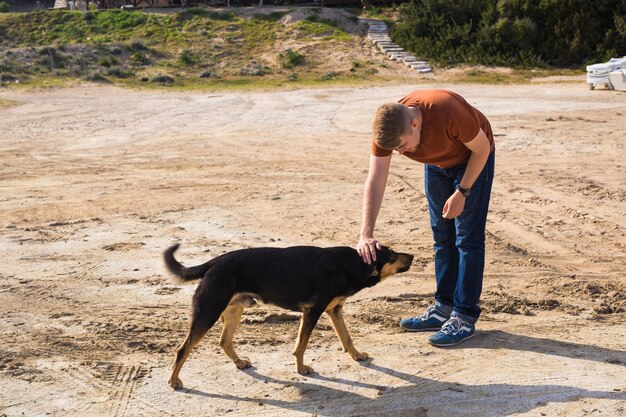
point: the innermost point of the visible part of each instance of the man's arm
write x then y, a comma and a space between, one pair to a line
372, 200
480, 148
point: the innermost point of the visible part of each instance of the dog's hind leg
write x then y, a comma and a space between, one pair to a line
209, 302
231, 317
310, 317
336, 318
197, 330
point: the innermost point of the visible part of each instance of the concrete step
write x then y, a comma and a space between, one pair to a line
393, 51
378, 40
418, 64
422, 68
409, 61
377, 32
396, 57
387, 43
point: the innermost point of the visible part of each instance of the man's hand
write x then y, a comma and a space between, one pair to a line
367, 247
454, 206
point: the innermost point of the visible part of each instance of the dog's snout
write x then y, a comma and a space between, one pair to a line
406, 260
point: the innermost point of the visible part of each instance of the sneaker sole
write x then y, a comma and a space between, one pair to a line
453, 344
430, 329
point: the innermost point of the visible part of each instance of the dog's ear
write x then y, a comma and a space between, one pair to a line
372, 275
382, 257
373, 270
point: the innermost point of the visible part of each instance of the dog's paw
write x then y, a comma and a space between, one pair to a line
304, 370
176, 383
243, 363
360, 356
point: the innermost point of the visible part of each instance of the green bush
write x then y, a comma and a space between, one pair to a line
513, 32
290, 58
95, 76
139, 59
162, 79
119, 72
4, 7
331, 75
187, 58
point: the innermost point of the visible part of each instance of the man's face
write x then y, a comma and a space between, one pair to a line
410, 141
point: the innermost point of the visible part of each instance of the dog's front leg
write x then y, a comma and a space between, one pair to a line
336, 318
308, 322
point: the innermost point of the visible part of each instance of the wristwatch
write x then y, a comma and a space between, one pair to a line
465, 191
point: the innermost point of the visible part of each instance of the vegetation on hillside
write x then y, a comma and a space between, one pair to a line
193, 44
265, 47
565, 33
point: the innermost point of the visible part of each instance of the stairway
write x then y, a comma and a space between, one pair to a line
377, 32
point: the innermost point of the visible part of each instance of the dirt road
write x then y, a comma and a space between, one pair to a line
95, 182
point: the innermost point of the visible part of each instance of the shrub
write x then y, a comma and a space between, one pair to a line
163, 79
6, 65
255, 69
187, 58
138, 46
119, 72
4, 7
107, 61
7, 78
331, 75
139, 58
290, 59
512, 32
95, 76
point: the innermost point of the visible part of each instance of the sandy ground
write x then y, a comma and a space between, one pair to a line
95, 182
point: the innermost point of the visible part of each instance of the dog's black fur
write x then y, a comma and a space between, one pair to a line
302, 278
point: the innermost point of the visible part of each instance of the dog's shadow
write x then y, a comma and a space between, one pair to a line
321, 395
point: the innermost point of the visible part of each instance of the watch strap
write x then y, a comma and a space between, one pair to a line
464, 191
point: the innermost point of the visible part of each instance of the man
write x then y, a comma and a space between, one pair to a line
455, 142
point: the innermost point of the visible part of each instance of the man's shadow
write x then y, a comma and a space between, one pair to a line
420, 395
497, 339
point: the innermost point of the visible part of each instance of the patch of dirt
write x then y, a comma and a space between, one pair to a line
342, 19
98, 181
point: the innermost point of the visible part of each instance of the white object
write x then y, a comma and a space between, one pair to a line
617, 79
599, 73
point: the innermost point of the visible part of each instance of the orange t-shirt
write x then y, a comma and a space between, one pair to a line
448, 121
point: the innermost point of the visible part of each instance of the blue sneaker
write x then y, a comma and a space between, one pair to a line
431, 319
453, 332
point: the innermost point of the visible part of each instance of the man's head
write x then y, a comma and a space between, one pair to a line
396, 127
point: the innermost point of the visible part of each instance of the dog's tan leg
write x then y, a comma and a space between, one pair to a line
308, 322
182, 353
231, 317
336, 318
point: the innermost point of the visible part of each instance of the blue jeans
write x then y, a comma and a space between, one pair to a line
459, 243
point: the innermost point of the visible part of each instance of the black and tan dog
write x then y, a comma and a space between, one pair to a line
303, 278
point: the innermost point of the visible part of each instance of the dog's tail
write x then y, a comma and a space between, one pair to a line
181, 272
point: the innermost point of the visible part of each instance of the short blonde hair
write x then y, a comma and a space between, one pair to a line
392, 120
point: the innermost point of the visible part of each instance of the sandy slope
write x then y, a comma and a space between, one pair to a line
96, 181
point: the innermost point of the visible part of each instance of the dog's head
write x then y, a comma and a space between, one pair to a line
389, 263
